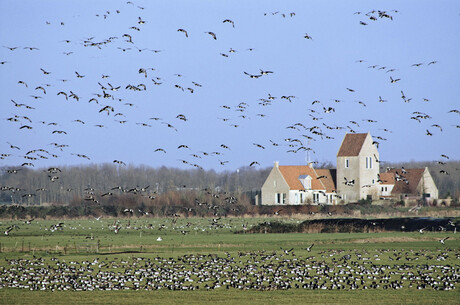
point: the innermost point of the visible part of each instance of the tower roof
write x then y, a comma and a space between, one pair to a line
352, 144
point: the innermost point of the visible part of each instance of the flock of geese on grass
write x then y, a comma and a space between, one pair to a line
106, 101
333, 269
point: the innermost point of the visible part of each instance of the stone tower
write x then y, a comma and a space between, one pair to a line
357, 168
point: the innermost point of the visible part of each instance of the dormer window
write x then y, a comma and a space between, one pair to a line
306, 181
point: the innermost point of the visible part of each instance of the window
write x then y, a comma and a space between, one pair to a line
368, 162
347, 163
315, 197
280, 198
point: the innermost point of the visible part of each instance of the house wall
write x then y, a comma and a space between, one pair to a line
385, 189
348, 192
274, 184
427, 185
368, 169
298, 197
308, 197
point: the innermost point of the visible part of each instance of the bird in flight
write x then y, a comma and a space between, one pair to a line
252, 75
183, 31
309, 248
119, 162
212, 34
442, 241
286, 251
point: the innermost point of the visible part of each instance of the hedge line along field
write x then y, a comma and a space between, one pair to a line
159, 260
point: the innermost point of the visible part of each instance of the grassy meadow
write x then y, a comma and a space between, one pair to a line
90, 240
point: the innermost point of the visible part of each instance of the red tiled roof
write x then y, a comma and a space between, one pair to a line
291, 174
352, 144
387, 178
329, 182
413, 177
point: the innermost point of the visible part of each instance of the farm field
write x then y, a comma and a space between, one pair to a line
159, 260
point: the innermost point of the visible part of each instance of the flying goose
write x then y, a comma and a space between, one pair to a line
183, 31
212, 34
252, 75
229, 21
442, 241
309, 248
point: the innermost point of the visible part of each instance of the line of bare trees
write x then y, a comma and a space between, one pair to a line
90, 182
110, 183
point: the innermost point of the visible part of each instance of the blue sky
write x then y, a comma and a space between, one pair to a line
418, 45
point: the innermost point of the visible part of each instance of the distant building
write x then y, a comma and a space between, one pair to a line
299, 184
357, 177
412, 183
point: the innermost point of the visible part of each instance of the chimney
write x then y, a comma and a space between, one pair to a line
310, 164
277, 164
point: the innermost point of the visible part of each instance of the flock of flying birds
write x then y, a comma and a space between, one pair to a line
111, 99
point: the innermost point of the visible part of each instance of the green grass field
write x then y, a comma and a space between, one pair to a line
408, 257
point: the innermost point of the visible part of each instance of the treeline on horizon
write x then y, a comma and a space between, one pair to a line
136, 185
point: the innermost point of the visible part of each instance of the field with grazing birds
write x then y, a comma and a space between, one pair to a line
220, 260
